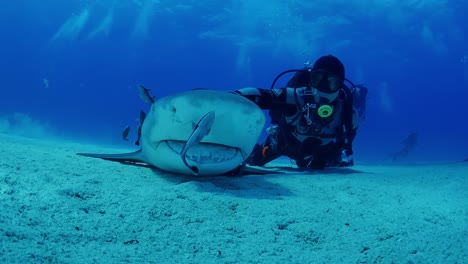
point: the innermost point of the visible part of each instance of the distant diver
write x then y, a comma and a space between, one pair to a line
408, 144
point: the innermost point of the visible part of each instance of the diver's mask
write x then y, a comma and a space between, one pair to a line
326, 83
324, 89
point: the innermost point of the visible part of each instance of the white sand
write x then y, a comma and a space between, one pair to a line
57, 207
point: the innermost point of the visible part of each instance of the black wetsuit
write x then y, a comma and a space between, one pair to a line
314, 144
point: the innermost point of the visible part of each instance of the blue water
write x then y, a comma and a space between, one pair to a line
71, 67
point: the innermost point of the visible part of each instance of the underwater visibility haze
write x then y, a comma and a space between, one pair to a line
70, 68
69, 76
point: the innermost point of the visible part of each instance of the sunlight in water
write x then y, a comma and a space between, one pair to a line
243, 61
72, 27
104, 27
464, 61
385, 100
433, 40
144, 18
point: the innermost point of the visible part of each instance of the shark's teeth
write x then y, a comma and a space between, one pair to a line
205, 152
205, 155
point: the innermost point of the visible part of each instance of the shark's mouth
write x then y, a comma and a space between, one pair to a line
205, 153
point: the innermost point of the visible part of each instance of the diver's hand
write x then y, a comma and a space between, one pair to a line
346, 160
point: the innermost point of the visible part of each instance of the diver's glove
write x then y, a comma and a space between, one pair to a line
346, 160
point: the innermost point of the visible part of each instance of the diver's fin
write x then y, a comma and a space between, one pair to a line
249, 170
136, 156
245, 170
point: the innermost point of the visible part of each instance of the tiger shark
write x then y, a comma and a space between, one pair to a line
215, 131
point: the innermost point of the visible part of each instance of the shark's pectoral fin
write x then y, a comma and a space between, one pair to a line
136, 156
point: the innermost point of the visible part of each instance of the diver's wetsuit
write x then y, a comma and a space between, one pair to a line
314, 144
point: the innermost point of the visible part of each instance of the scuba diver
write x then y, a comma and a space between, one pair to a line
314, 120
408, 145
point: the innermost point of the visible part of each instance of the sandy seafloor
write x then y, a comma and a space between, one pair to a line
57, 207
